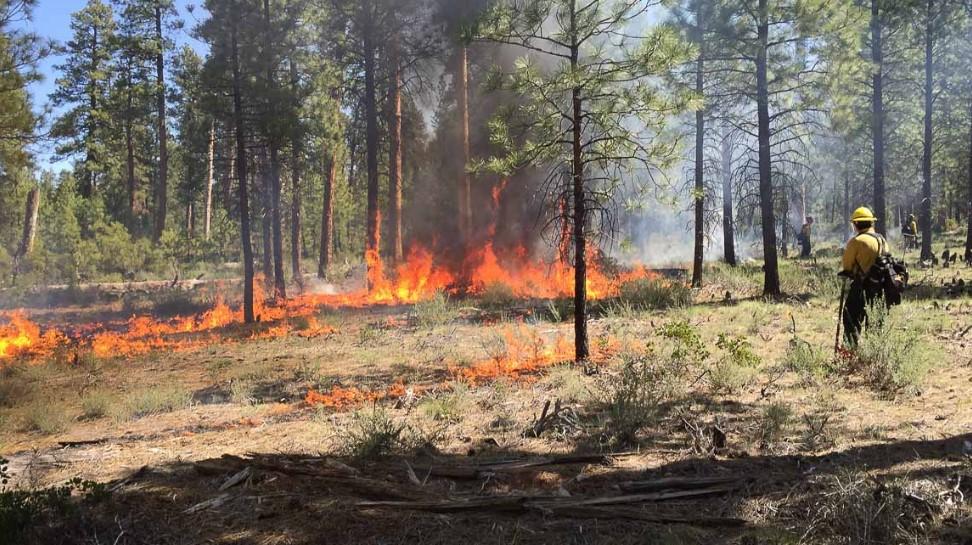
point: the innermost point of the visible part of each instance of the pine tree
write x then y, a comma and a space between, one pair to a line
85, 129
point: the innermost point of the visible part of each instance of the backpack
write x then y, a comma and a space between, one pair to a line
888, 276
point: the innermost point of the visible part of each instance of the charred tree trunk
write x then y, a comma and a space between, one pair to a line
266, 213
230, 175
465, 189
296, 238
162, 190
210, 180
327, 216
242, 174
372, 247
699, 189
926, 159
395, 154
771, 273
581, 349
728, 228
877, 117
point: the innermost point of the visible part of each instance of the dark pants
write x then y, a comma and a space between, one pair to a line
805, 247
855, 310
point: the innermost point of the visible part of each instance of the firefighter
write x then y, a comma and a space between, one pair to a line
860, 254
805, 237
911, 231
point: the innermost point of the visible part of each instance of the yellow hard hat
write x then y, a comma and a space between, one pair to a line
863, 214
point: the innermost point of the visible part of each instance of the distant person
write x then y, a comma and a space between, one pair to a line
860, 255
804, 238
911, 231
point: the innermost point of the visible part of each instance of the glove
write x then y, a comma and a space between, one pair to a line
845, 274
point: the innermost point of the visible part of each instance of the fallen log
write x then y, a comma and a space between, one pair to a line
496, 503
638, 498
634, 513
512, 466
675, 483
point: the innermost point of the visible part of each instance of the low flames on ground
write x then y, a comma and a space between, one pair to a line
418, 278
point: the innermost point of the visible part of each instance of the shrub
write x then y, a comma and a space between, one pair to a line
435, 312
446, 406
805, 360
23, 510
736, 369
45, 418
775, 421
497, 296
655, 294
241, 392
373, 433
154, 401
634, 396
568, 383
97, 404
688, 349
893, 359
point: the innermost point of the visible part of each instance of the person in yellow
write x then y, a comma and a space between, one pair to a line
862, 250
912, 231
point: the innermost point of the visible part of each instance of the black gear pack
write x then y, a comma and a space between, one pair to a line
888, 276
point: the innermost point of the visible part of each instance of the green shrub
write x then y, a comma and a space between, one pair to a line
736, 369
892, 357
687, 349
23, 510
242, 392
373, 433
45, 418
447, 406
568, 383
655, 294
435, 311
153, 401
497, 296
809, 362
775, 421
634, 397
97, 404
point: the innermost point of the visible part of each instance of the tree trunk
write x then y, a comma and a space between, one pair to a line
228, 181
926, 159
327, 216
266, 215
190, 221
162, 191
728, 228
279, 280
372, 247
877, 117
210, 180
395, 154
296, 239
699, 190
785, 223
847, 208
581, 350
771, 273
30, 223
130, 153
968, 210
242, 174
465, 189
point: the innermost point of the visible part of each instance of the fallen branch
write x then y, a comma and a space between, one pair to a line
634, 513
514, 466
675, 483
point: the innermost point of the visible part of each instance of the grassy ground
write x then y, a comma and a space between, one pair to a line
871, 449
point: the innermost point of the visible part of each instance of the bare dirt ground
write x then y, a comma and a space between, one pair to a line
219, 445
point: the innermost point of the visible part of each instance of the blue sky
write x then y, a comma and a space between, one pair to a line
52, 20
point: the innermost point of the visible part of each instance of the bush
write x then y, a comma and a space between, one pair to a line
97, 405
154, 401
893, 358
635, 396
497, 296
775, 421
45, 418
805, 360
448, 406
23, 510
434, 312
655, 294
568, 383
736, 369
373, 433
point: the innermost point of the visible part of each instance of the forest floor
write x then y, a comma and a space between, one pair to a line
727, 420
